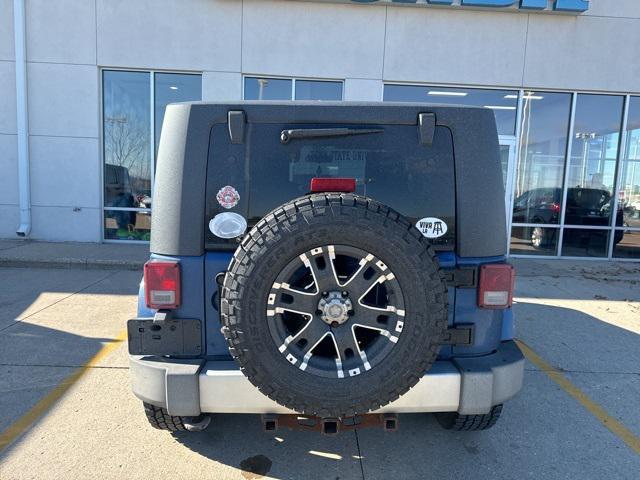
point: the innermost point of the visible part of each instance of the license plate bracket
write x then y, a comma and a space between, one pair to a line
167, 337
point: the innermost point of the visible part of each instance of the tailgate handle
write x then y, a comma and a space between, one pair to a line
426, 127
236, 123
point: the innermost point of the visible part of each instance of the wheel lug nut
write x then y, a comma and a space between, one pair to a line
324, 294
345, 294
335, 324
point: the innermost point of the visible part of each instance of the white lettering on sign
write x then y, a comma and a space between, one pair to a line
431, 227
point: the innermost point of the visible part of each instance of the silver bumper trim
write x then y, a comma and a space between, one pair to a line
189, 387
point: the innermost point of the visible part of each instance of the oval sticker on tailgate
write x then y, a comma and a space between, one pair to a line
431, 227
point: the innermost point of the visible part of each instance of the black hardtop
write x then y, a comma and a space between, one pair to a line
179, 197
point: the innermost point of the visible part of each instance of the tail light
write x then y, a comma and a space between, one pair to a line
346, 185
555, 207
495, 289
162, 284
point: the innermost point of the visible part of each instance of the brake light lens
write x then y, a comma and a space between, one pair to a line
346, 185
495, 289
162, 284
555, 207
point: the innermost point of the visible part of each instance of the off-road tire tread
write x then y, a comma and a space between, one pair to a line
248, 253
458, 422
159, 418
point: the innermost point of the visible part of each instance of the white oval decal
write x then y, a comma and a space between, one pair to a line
431, 227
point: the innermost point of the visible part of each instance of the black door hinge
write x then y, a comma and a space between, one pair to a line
460, 335
461, 277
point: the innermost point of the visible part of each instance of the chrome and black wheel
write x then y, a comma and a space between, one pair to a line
334, 305
335, 310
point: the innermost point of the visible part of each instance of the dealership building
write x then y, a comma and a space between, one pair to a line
85, 84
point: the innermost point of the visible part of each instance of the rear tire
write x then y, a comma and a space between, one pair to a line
159, 418
459, 422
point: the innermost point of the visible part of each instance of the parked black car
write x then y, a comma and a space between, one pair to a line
585, 207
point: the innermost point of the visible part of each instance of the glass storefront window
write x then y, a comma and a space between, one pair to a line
127, 132
173, 88
128, 146
534, 241
542, 150
629, 193
127, 225
585, 242
267, 88
592, 166
627, 244
316, 90
504, 103
284, 88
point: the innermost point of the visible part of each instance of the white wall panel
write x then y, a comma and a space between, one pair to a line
221, 86
312, 39
614, 8
166, 34
357, 89
7, 97
447, 46
590, 53
8, 170
7, 49
65, 171
63, 224
9, 220
63, 99
61, 31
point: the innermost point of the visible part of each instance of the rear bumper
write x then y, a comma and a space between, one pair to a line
190, 387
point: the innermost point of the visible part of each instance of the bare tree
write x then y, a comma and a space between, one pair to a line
126, 144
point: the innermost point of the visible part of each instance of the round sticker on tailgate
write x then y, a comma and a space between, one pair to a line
228, 197
431, 227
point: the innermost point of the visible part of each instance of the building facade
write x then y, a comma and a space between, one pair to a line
85, 83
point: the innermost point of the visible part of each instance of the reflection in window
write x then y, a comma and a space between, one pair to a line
283, 89
629, 194
317, 90
534, 241
540, 170
128, 111
627, 244
267, 88
127, 225
592, 166
172, 88
585, 243
127, 114
504, 103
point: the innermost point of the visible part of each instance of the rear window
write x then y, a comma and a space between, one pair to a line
391, 166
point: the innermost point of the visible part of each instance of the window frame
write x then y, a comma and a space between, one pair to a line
152, 146
293, 84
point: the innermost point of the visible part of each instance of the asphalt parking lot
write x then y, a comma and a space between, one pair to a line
66, 410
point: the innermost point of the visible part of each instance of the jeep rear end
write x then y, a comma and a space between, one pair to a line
337, 262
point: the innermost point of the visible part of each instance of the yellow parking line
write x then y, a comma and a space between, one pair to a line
596, 410
18, 427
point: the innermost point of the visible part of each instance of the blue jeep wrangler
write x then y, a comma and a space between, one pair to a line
328, 266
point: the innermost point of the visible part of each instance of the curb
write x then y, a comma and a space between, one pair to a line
79, 263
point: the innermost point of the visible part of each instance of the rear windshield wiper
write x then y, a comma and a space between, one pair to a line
287, 135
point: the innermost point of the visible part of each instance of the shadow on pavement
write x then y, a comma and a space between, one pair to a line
53, 321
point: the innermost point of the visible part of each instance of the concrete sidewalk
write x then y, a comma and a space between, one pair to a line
127, 256
30, 253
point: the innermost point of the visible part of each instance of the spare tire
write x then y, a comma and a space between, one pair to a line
334, 305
